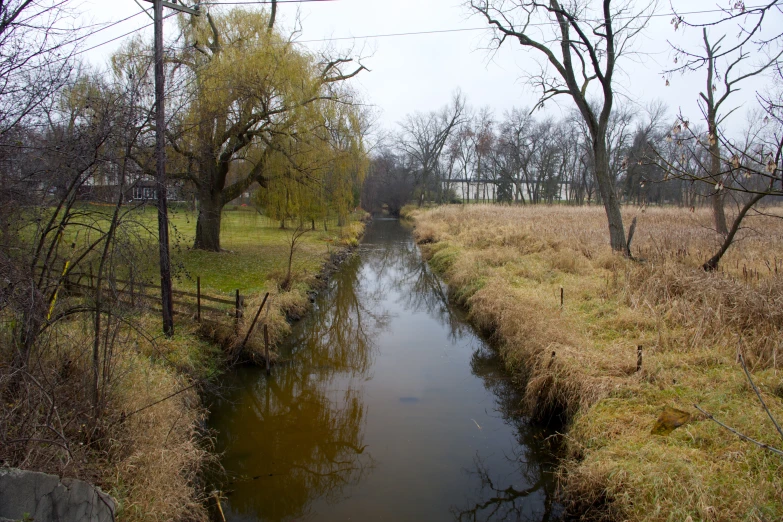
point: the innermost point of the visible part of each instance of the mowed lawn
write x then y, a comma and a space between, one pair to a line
254, 249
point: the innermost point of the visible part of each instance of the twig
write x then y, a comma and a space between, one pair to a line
216, 496
740, 435
758, 394
181, 390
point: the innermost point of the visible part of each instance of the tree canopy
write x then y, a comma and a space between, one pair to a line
258, 108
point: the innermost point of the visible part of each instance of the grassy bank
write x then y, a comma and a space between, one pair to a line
144, 446
508, 265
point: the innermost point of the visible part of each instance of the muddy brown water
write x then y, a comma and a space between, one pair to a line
390, 408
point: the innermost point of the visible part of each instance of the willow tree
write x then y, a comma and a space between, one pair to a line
342, 138
249, 91
318, 171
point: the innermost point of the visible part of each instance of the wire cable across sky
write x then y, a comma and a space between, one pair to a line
361, 37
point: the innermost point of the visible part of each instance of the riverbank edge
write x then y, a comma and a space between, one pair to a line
551, 372
281, 310
537, 382
157, 480
290, 311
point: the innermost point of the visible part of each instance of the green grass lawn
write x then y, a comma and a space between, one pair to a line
255, 249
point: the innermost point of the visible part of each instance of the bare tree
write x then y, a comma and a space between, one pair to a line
726, 69
424, 137
742, 170
512, 150
389, 184
36, 51
292, 241
582, 46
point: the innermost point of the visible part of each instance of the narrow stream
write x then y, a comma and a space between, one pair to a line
391, 408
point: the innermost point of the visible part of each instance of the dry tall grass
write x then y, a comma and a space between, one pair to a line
507, 265
144, 451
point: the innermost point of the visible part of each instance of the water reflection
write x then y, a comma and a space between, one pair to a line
293, 435
527, 494
398, 262
390, 408
338, 336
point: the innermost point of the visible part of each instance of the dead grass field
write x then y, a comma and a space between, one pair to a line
507, 265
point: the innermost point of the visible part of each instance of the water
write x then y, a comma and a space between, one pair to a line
390, 408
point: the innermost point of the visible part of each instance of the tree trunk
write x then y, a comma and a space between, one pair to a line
609, 197
718, 213
717, 199
208, 224
712, 263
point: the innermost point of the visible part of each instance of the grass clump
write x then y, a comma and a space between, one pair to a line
144, 451
578, 362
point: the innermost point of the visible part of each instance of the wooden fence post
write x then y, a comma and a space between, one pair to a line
198, 299
562, 297
266, 348
238, 309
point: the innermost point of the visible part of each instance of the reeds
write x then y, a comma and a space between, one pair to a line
507, 265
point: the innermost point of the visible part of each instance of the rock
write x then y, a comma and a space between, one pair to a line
45, 497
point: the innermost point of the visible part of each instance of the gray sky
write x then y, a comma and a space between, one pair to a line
420, 72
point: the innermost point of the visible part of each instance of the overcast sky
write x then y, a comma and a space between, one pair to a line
420, 72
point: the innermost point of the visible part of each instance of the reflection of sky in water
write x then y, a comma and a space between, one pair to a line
390, 408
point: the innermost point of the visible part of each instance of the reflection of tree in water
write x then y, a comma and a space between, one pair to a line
399, 263
496, 499
295, 437
505, 503
292, 443
396, 259
298, 436
337, 336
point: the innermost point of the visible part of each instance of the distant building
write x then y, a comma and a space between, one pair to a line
470, 190
144, 190
141, 190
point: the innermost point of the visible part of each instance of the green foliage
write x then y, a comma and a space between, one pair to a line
257, 108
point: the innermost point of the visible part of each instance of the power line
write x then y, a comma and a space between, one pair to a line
247, 2
388, 35
82, 51
101, 28
118, 22
261, 2
484, 28
382, 35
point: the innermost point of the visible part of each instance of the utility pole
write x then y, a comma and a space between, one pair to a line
167, 302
